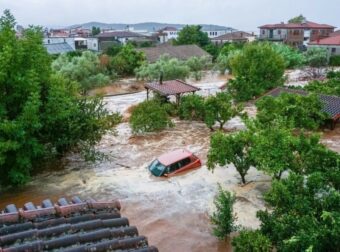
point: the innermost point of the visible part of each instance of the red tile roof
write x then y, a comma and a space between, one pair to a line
336, 33
334, 40
69, 226
171, 87
174, 156
307, 25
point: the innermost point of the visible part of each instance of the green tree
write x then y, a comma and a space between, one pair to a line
251, 241
192, 34
256, 68
297, 20
316, 57
231, 149
223, 218
170, 67
113, 50
197, 65
213, 50
85, 69
39, 112
305, 214
192, 107
291, 56
95, 30
127, 60
149, 116
297, 110
220, 108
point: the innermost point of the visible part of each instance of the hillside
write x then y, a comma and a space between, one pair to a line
149, 26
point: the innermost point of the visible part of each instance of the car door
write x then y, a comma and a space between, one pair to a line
183, 164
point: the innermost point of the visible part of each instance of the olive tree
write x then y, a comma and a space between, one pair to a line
231, 149
251, 240
192, 107
220, 108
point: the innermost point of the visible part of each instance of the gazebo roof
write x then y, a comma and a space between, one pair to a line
172, 87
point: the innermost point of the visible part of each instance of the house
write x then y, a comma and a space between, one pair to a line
295, 34
74, 225
167, 33
181, 52
76, 43
58, 48
332, 44
214, 31
107, 39
335, 33
237, 36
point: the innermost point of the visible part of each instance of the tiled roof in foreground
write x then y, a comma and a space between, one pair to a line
331, 103
76, 226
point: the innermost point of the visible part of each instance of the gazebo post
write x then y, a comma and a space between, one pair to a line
178, 97
147, 94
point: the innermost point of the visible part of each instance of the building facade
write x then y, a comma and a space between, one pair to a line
332, 44
295, 34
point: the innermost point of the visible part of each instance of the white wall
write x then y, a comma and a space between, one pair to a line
92, 44
329, 49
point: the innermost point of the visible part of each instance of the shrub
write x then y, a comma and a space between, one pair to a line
334, 60
171, 69
257, 68
251, 241
223, 218
192, 107
149, 116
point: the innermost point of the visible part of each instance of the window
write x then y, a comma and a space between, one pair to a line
48, 41
333, 50
184, 162
94, 45
279, 32
296, 32
173, 167
263, 32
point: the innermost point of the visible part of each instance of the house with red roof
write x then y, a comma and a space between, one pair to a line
295, 34
332, 44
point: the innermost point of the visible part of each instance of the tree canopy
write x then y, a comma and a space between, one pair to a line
192, 34
256, 68
41, 114
297, 20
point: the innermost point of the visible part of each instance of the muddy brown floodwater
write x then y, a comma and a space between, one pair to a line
172, 212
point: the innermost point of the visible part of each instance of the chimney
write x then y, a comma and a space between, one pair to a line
161, 78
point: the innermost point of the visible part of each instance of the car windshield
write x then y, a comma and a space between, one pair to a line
157, 168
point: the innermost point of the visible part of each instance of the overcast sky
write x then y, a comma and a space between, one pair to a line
240, 14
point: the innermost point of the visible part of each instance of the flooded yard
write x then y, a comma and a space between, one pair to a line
172, 212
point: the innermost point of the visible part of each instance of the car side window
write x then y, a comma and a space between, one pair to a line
184, 162
173, 167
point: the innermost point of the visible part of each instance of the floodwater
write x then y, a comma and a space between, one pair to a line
172, 212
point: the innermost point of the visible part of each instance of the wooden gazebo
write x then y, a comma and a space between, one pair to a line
168, 88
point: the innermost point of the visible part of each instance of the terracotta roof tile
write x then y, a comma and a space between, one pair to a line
171, 87
333, 40
307, 25
76, 226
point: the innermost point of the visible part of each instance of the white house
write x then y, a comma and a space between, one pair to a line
214, 32
74, 42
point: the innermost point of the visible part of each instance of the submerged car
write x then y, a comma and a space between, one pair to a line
173, 163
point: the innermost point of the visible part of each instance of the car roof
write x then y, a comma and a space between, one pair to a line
174, 156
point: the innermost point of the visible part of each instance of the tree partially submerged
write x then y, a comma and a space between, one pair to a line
192, 108
231, 149
149, 116
42, 115
251, 240
223, 218
220, 108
